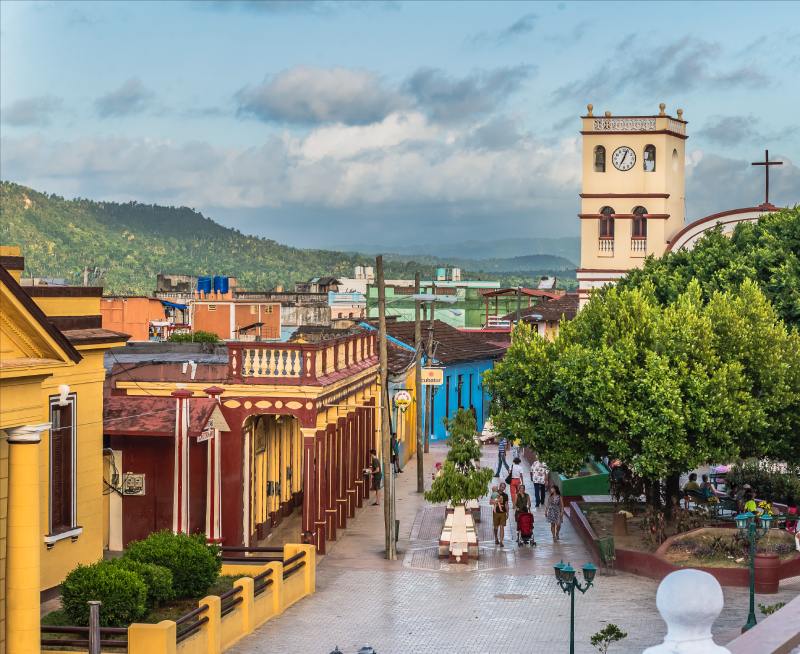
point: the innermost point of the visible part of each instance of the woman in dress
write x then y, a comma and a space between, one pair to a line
517, 473
554, 511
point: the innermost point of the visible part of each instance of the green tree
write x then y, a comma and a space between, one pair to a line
766, 251
664, 388
608, 635
461, 478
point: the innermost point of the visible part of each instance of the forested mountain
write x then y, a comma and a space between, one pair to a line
133, 242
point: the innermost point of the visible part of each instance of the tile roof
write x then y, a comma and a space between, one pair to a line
453, 346
399, 359
565, 307
93, 336
126, 415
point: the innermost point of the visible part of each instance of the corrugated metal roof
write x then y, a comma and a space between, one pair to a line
125, 415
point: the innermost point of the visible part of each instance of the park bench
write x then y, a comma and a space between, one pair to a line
459, 540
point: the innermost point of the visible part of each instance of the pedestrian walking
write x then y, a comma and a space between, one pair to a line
395, 445
539, 474
554, 511
501, 456
517, 474
522, 505
500, 514
377, 476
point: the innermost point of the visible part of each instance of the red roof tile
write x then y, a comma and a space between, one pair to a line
126, 415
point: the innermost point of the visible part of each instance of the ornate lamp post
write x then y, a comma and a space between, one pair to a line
748, 528
565, 575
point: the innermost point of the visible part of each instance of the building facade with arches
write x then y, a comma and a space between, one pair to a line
296, 422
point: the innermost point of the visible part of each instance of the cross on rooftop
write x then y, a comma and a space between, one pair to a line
766, 163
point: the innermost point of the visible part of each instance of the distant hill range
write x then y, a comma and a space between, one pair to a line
568, 247
133, 242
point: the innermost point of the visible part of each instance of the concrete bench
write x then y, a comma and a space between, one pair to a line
459, 539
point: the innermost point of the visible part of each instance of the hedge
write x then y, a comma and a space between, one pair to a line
122, 592
195, 565
157, 578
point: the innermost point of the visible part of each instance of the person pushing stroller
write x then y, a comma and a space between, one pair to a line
524, 517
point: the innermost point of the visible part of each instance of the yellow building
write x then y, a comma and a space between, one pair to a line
51, 458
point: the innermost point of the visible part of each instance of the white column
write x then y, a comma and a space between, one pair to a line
213, 487
180, 498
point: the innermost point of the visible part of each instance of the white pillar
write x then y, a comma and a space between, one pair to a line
213, 487
180, 497
689, 601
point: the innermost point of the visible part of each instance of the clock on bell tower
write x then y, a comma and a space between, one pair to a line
633, 198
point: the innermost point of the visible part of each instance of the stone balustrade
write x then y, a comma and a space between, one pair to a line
299, 363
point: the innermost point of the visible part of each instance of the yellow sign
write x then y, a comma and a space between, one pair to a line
432, 376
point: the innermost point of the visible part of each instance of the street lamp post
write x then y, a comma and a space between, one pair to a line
753, 531
565, 575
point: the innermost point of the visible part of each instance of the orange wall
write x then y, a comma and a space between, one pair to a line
131, 315
218, 320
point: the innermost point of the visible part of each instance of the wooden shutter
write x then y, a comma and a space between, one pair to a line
61, 437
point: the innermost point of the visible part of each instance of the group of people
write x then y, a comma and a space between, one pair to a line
520, 501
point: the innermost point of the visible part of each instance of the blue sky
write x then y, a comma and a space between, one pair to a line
322, 124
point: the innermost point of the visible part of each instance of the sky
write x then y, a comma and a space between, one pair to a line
325, 124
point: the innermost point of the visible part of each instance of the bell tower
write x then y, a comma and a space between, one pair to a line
633, 197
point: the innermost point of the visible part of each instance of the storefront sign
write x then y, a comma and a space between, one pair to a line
402, 399
432, 376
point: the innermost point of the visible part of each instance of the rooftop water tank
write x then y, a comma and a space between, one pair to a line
220, 284
204, 284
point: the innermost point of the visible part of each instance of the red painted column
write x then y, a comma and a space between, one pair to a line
320, 495
330, 486
341, 476
359, 443
309, 481
351, 466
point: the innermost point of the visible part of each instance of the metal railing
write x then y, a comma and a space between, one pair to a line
121, 643
230, 600
190, 623
293, 564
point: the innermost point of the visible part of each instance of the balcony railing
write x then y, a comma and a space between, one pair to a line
299, 363
605, 246
638, 246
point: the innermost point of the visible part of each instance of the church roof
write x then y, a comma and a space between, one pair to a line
693, 229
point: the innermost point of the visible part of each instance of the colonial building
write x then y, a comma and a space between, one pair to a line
633, 195
295, 423
51, 448
546, 317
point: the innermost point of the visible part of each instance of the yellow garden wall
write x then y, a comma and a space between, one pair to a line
220, 632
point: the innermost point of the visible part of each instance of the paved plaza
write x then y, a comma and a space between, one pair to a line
507, 602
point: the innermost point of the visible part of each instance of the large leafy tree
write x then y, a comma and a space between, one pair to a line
766, 251
663, 385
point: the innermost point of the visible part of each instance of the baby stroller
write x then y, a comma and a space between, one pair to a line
525, 528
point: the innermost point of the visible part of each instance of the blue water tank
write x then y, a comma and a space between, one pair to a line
220, 284
204, 284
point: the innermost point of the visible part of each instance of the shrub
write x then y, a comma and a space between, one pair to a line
604, 638
157, 578
122, 592
770, 481
194, 564
195, 337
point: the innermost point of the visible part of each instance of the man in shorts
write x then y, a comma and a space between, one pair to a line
500, 514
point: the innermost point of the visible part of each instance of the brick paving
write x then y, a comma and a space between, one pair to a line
509, 601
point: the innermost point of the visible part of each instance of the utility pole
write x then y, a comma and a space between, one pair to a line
429, 389
418, 387
86, 275
386, 445
519, 297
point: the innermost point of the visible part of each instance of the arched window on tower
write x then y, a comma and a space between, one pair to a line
639, 223
599, 159
606, 222
649, 159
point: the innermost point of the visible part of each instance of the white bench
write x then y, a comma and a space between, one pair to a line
459, 539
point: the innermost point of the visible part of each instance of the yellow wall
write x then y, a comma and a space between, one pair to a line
407, 421
86, 381
668, 178
69, 306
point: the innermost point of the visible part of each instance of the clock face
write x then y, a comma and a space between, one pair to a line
624, 158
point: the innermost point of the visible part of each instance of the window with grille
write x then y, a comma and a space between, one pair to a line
212, 307
62, 464
607, 222
639, 229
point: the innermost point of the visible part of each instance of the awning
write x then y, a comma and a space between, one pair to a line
174, 305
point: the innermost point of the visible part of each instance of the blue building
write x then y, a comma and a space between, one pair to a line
465, 356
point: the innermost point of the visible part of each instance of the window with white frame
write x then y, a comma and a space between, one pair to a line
63, 446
